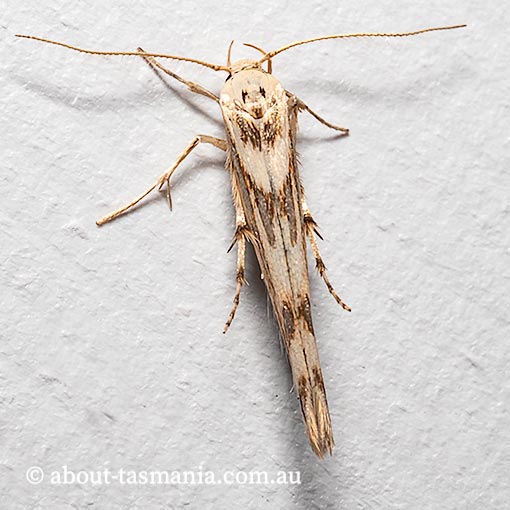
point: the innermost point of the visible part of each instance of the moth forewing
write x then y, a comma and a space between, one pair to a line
261, 122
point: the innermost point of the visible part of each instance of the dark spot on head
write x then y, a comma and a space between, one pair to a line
262, 92
244, 94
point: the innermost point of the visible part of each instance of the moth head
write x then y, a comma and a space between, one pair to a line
244, 65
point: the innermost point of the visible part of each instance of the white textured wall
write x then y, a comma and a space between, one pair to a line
111, 349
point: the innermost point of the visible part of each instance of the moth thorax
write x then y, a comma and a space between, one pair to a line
254, 99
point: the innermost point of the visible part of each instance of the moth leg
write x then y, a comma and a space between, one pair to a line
240, 237
165, 178
194, 87
301, 106
311, 230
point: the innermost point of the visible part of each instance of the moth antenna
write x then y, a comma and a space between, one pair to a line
271, 54
269, 62
125, 53
229, 53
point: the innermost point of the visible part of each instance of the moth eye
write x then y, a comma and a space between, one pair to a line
244, 94
262, 92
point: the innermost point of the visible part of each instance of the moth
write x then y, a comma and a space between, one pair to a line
261, 123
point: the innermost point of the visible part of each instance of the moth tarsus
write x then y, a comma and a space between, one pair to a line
260, 118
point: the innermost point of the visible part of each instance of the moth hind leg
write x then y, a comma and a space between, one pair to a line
240, 239
311, 230
242, 233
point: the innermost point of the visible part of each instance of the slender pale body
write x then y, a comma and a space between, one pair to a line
261, 123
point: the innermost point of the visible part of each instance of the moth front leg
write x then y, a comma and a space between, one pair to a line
302, 106
194, 87
311, 230
165, 178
